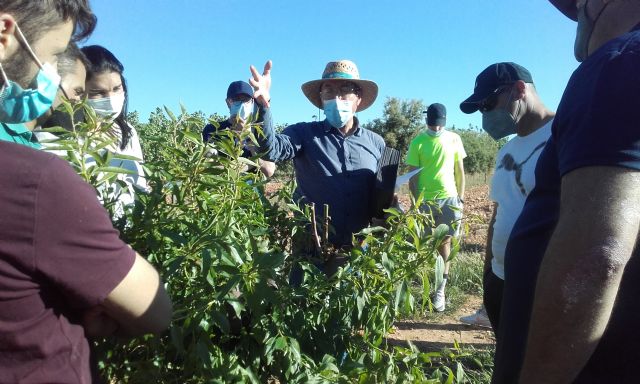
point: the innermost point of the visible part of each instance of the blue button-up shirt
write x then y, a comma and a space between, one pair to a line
330, 169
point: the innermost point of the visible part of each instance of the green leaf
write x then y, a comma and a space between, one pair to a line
206, 261
238, 307
360, 302
280, 343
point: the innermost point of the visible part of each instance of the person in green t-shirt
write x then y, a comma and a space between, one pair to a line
439, 154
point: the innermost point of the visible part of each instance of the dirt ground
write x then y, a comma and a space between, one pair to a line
441, 330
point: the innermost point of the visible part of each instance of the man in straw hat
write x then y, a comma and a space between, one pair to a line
335, 159
572, 266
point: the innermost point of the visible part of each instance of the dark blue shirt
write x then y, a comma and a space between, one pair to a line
209, 133
330, 169
597, 124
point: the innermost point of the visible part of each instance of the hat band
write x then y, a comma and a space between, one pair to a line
338, 75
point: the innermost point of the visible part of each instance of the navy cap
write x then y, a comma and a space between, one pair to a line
437, 115
568, 7
492, 78
238, 88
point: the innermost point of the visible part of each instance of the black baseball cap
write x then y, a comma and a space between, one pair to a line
568, 7
492, 78
238, 88
437, 115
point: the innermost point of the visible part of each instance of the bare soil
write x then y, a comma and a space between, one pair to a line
441, 330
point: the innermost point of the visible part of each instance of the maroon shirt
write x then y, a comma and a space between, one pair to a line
59, 256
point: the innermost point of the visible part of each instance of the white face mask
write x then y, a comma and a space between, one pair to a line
108, 107
241, 110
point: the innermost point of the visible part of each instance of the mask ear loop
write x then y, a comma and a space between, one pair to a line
26, 43
5, 80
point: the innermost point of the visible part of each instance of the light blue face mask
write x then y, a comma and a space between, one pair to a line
338, 112
18, 105
433, 133
242, 110
499, 122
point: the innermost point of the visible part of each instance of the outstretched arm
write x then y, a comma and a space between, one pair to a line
581, 271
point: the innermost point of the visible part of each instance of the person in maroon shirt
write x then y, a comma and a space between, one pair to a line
65, 275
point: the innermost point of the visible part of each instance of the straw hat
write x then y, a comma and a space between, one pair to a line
342, 70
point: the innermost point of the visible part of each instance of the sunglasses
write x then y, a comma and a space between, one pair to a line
490, 102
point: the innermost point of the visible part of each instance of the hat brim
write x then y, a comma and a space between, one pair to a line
567, 7
472, 103
369, 92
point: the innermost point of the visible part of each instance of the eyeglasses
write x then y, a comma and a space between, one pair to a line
241, 98
490, 102
344, 91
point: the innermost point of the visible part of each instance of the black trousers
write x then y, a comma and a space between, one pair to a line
492, 297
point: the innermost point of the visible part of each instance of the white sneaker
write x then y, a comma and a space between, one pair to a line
439, 300
479, 319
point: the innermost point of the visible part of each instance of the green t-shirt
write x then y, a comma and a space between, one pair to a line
18, 133
437, 156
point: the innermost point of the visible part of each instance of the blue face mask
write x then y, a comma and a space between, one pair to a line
242, 110
338, 112
499, 122
18, 105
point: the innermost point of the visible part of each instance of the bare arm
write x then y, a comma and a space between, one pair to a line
459, 175
581, 271
488, 256
413, 182
139, 304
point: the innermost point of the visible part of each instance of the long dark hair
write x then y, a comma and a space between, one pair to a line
102, 60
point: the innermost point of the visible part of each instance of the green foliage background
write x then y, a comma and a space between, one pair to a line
402, 120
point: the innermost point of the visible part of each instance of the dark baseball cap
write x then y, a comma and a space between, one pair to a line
492, 78
238, 88
568, 7
437, 115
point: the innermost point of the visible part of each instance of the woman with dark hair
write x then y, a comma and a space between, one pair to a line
106, 91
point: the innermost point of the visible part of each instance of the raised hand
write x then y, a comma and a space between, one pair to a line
261, 84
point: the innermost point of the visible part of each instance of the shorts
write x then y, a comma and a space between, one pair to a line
445, 211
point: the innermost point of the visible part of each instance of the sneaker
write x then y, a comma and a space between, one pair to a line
439, 301
479, 319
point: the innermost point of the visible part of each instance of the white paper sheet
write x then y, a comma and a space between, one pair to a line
403, 179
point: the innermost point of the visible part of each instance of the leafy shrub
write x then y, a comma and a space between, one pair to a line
481, 150
226, 253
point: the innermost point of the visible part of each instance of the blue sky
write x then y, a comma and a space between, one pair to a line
188, 51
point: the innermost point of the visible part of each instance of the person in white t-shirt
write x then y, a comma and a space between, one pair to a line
507, 98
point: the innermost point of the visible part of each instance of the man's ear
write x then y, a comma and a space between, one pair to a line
7, 39
358, 101
521, 87
228, 101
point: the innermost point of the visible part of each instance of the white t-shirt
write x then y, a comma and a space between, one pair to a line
513, 180
133, 148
